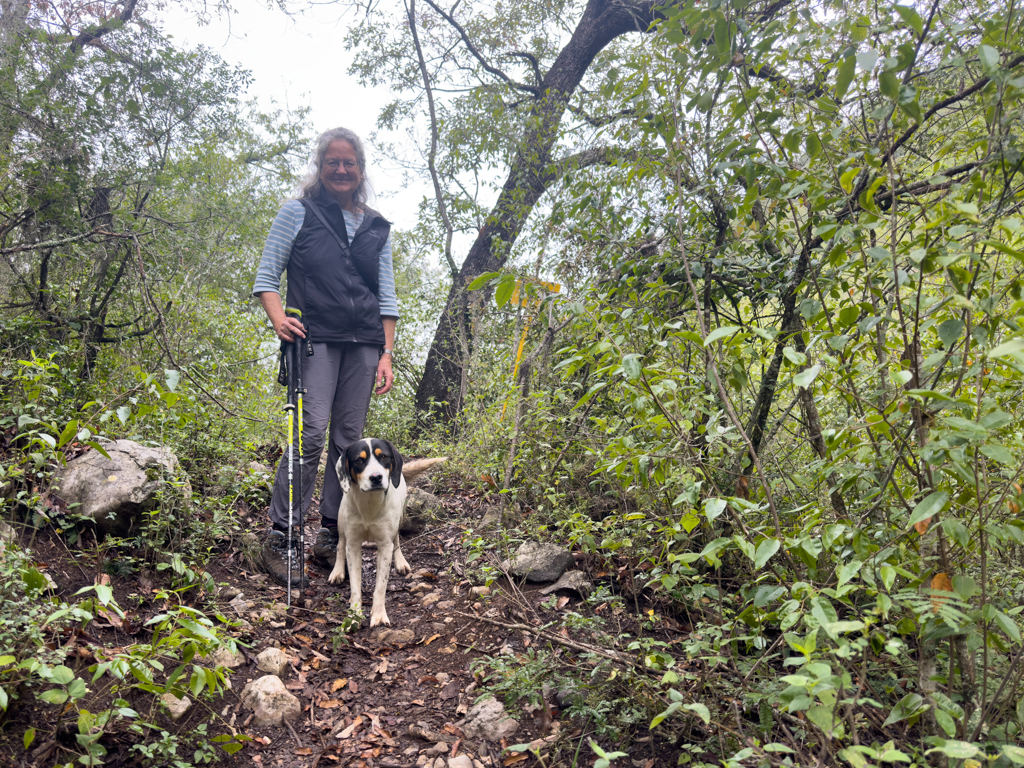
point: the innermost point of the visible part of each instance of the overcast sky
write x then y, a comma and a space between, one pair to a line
301, 60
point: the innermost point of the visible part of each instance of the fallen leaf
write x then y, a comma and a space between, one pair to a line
329, 704
427, 679
940, 583
382, 667
347, 733
303, 751
353, 686
516, 758
341, 682
304, 638
430, 639
450, 691
103, 579
418, 702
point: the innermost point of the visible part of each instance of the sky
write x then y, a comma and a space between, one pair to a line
300, 60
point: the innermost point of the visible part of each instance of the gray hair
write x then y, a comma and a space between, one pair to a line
311, 185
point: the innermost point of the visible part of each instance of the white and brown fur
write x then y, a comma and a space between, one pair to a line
373, 477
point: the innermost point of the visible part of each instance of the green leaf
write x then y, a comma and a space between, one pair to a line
848, 571
61, 675
911, 17
4, 701
171, 378
504, 290
889, 85
29, 737
483, 280
69, 432
866, 60
929, 506
700, 711
713, 508
54, 696
998, 453
631, 366
813, 145
989, 58
1011, 347
765, 551
847, 69
949, 332
805, 378
796, 358
1009, 627
908, 706
960, 750
77, 688
123, 414
1013, 753
715, 335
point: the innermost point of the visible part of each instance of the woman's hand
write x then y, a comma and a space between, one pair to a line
288, 328
385, 377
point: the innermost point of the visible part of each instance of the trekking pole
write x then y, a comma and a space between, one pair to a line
293, 378
300, 391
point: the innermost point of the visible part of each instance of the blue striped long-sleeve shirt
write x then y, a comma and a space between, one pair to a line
278, 248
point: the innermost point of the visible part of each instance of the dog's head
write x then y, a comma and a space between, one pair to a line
370, 464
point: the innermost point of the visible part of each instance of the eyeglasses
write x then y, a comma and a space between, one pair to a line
332, 165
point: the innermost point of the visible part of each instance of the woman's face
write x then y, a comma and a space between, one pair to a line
339, 172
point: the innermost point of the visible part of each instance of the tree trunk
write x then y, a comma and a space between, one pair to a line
530, 174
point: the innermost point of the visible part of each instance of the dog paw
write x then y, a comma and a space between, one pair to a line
379, 617
402, 568
337, 576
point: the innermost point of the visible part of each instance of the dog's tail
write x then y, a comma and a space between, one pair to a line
416, 467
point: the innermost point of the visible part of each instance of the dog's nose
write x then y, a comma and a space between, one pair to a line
376, 479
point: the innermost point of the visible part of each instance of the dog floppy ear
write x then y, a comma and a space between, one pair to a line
343, 472
396, 464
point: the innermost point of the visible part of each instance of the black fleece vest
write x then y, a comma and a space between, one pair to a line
337, 293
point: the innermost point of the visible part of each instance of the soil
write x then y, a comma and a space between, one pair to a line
370, 698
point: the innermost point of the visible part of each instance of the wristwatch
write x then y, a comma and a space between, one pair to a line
387, 351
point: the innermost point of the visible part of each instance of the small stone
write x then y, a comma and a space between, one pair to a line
442, 678
273, 661
393, 636
439, 763
270, 701
229, 592
487, 721
538, 562
479, 591
447, 605
410, 751
430, 599
478, 606
423, 759
460, 761
438, 749
574, 580
278, 624
418, 589
176, 708
222, 657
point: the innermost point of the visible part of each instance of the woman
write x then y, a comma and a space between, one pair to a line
337, 252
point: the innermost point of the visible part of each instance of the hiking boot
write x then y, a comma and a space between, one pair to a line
274, 557
325, 548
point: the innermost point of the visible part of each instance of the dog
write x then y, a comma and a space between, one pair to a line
373, 478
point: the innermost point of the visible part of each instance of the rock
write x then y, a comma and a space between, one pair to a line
7, 534
420, 508
538, 562
393, 636
439, 762
487, 721
438, 749
447, 605
116, 493
418, 589
574, 580
270, 701
222, 657
176, 708
479, 591
460, 761
430, 599
229, 592
273, 661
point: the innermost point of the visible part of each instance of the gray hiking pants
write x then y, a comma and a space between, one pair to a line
339, 381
